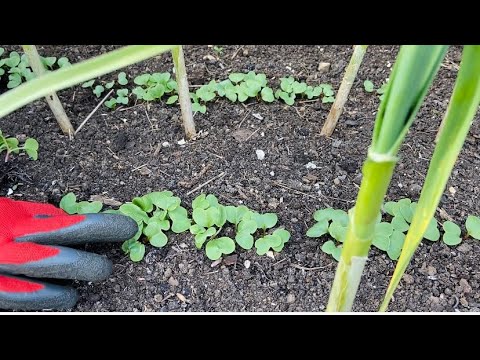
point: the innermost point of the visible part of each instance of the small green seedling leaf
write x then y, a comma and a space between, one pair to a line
452, 233
432, 233
172, 99
216, 247
236, 77
368, 86
329, 247
248, 226
63, 62
196, 107
69, 203
158, 240
473, 226
318, 229
31, 148
137, 251
267, 95
337, 253
134, 212
324, 214
98, 91
451, 227
396, 244
266, 221
122, 78
49, 61
111, 104
88, 83
235, 214
110, 84
245, 240
451, 239
202, 236
399, 223
284, 235
85, 207
200, 202
381, 237
264, 244
180, 220
337, 231
391, 208
144, 203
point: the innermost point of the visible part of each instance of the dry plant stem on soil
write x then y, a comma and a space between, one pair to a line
412, 75
456, 124
344, 90
52, 98
183, 92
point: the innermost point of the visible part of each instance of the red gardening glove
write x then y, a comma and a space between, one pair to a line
25, 230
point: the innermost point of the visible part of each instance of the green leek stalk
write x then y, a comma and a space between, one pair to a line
456, 124
75, 74
183, 92
52, 99
344, 90
410, 80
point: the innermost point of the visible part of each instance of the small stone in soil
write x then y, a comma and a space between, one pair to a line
290, 298
310, 165
158, 298
323, 67
247, 264
260, 154
172, 281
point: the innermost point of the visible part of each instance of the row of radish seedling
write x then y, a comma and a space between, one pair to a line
157, 213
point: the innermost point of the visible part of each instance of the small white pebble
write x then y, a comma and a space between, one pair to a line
260, 154
181, 142
166, 144
246, 264
270, 254
262, 134
452, 190
9, 192
311, 165
272, 173
400, 185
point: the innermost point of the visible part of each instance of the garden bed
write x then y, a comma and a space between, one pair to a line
119, 154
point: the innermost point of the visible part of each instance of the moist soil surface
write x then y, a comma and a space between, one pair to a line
119, 155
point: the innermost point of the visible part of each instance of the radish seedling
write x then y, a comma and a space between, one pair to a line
11, 145
71, 206
473, 227
154, 213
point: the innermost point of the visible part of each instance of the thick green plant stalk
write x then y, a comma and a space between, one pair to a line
75, 74
344, 90
456, 124
52, 98
410, 80
183, 92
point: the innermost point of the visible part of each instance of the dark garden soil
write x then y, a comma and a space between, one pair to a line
120, 155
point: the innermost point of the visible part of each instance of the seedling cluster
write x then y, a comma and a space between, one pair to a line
389, 235
370, 87
158, 212
210, 218
238, 87
19, 70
